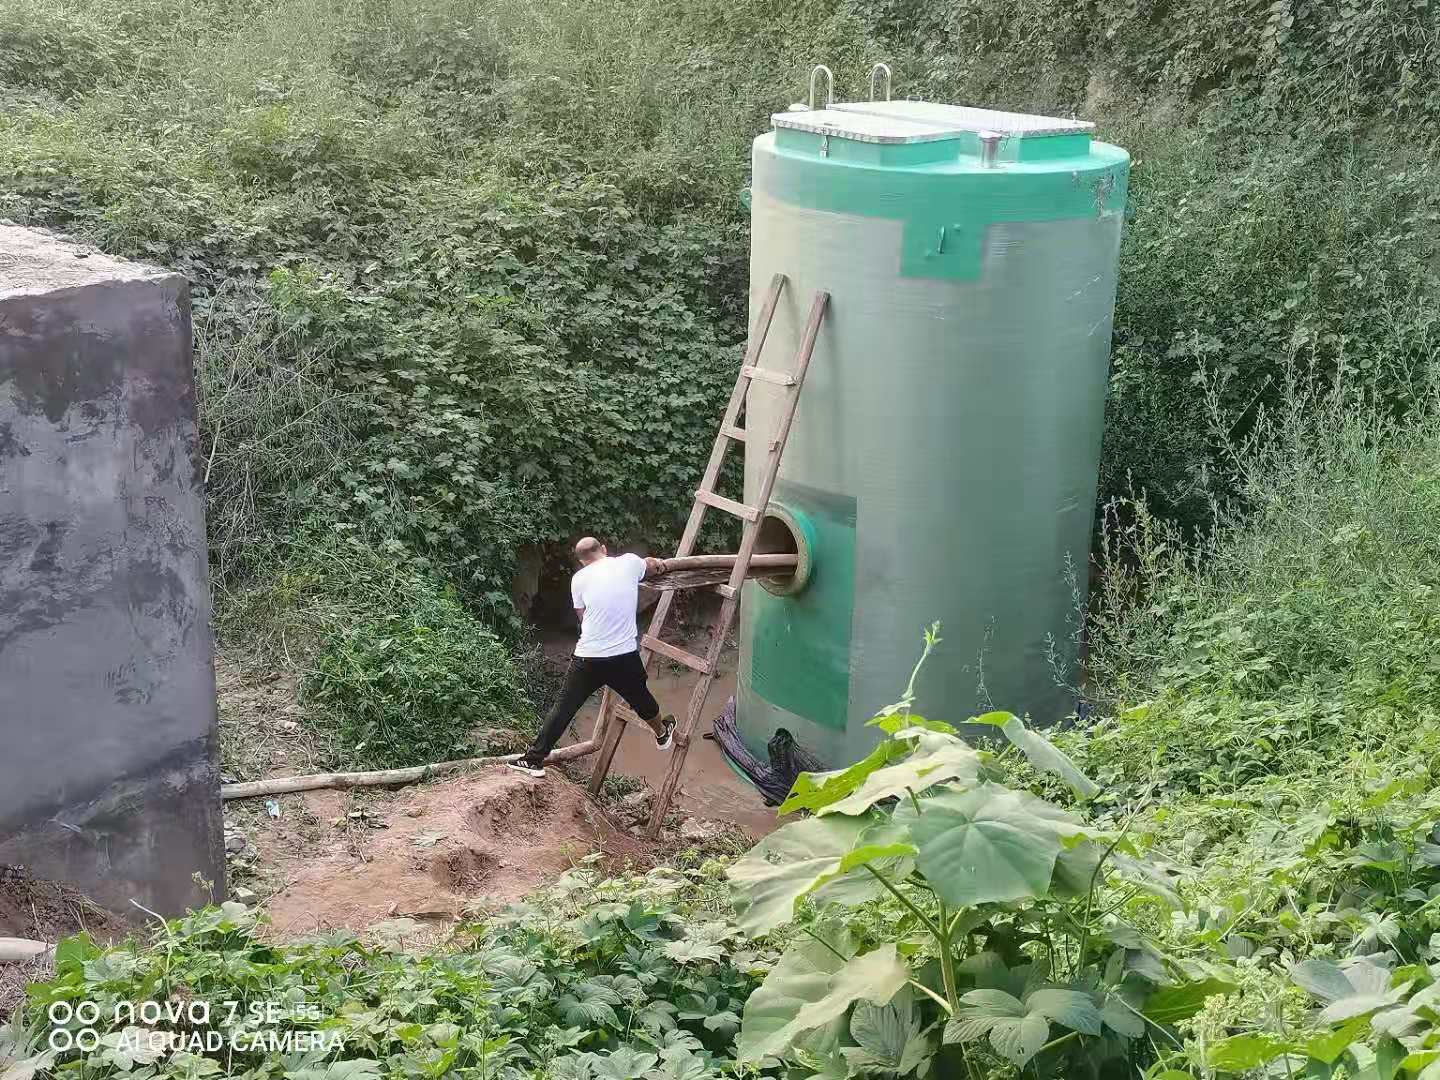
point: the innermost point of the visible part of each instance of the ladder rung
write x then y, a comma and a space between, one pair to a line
726, 591
779, 378
730, 431
720, 502
680, 656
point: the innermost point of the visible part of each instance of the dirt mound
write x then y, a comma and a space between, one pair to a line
437, 851
44, 911
48, 911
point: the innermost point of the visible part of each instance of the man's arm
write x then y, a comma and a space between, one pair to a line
653, 568
577, 601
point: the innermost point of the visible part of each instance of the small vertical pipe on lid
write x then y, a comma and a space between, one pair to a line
989, 147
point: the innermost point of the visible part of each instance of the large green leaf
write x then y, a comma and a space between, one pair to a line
1328, 1048
1381, 1063
1044, 755
814, 856
889, 1037
1072, 1008
988, 844
1019, 1028
1351, 991
936, 757
809, 987
1075, 869
898, 718
1241, 1053
887, 846
1016, 1033
623, 1063
812, 791
789, 863
1121, 1017
1322, 978
1171, 1004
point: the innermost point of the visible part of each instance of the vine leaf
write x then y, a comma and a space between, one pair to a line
889, 1037
988, 844
1044, 755
1014, 1032
1018, 1029
935, 757
809, 987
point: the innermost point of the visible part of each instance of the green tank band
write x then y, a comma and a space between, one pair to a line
940, 190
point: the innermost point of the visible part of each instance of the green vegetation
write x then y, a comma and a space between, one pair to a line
397, 672
1009, 932
470, 278
1299, 636
1233, 873
1272, 697
592, 981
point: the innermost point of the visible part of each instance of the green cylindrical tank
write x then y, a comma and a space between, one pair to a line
944, 459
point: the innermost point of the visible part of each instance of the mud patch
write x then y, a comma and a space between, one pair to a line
438, 852
466, 871
709, 787
48, 911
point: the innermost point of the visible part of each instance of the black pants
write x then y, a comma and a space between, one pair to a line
624, 674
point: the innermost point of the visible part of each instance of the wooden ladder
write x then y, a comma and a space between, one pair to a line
610, 725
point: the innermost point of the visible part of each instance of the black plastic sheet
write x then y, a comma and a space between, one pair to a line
773, 778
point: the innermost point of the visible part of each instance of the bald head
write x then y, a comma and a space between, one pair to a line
588, 550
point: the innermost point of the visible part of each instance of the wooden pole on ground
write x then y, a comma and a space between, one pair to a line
284, 785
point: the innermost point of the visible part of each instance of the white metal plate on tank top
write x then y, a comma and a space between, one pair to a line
921, 121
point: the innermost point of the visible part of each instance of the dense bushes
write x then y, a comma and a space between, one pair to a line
470, 279
1303, 630
538, 176
1272, 722
535, 365
1344, 64
394, 670
1245, 263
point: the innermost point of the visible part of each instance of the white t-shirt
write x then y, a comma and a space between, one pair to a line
609, 591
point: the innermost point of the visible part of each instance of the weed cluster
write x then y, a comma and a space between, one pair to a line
393, 670
591, 981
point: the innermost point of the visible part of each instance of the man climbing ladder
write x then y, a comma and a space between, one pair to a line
605, 592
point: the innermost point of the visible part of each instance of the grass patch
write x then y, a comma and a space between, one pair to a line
393, 670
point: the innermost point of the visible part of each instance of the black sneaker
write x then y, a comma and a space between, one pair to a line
666, 740
525, 766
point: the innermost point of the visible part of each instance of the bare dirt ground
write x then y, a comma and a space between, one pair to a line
450, 849
435, 852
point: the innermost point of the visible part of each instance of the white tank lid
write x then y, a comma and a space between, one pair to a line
921, 121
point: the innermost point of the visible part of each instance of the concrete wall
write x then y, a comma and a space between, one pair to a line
108, 774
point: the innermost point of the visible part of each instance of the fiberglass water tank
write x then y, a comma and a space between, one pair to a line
944, 459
